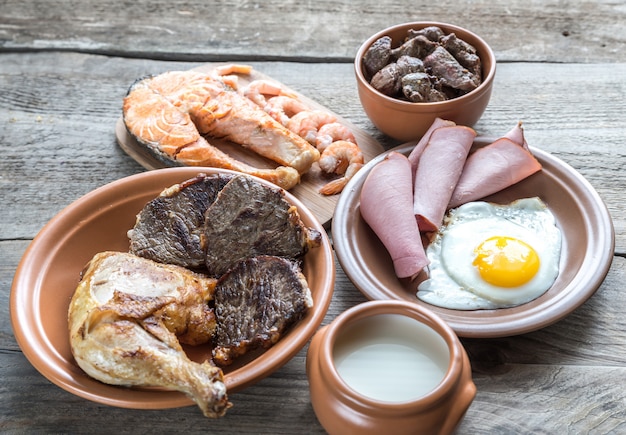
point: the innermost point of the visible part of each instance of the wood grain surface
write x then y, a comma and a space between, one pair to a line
66, 65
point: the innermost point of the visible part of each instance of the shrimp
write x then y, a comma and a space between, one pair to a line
232, 68
257, 90
343, 158
228, 73
329, 133
307, 123
282, 108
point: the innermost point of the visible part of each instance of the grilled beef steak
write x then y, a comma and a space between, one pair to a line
255, 303
216, 221
249, 219
169, 228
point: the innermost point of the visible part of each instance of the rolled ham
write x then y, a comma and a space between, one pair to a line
415, 154
516, 134
495, 167
387, 207
438, 171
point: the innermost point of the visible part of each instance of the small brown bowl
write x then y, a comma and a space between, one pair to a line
404, 120
388, 366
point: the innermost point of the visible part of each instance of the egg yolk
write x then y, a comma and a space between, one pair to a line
506, 261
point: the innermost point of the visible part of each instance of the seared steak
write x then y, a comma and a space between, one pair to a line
169, 228
255, 303
249, 219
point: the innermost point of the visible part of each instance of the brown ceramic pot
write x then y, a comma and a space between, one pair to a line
404, 120
343, 410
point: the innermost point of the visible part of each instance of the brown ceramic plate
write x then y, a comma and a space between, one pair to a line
587, 250
49, 273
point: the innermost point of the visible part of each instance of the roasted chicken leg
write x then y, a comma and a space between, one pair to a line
127, 318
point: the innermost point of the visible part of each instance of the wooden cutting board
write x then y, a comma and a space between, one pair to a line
321, 206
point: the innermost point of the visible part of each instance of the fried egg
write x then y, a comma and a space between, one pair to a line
489, 256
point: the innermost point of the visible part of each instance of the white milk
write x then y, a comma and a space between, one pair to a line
391, 358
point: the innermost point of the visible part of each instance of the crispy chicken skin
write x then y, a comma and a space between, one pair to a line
127, 319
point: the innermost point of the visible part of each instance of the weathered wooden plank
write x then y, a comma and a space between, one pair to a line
548, 400
551, 30
10, 254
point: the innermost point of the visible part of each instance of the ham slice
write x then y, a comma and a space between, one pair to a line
387, 207
415, 154
437, 173
495, 167
516, 134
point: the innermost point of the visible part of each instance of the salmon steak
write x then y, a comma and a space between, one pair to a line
172, 115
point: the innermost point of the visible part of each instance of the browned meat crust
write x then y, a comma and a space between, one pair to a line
249, 219
169, 228
255, 303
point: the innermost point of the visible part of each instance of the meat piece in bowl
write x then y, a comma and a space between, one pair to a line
127, 319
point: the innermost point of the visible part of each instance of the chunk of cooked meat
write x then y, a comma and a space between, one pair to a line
248, 219
389, 79
124, 318
419, 87
432, 33
169, 228
451, 73
419, 46
464, 53
255, 303
377, 56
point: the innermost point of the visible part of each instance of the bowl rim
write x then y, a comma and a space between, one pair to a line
435, 105
373, 309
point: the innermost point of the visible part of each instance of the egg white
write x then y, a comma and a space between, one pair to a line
455, 283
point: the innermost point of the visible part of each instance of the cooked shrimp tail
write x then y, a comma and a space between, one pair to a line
228, 73
307, 123
342, 158
332, 132
258, 91
232, 68
282, 108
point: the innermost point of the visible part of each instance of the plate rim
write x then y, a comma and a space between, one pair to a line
582, 288
21, 301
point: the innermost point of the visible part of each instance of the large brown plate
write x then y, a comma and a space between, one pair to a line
307, 191
50, 269
587, 250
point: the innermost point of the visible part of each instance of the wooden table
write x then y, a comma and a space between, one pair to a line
65, 67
